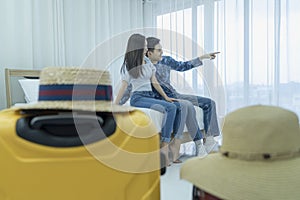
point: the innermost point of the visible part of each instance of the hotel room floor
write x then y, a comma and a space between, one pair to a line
172, 187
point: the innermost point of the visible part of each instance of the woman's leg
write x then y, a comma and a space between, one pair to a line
179, 124
174, 148
169, 110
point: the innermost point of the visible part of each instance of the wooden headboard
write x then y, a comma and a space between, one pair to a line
18, 73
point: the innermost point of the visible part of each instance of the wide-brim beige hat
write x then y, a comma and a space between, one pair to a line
259, 157
75, 88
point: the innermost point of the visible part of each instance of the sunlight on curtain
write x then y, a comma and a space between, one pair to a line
229, 40
289, 90
259, 44
272, 76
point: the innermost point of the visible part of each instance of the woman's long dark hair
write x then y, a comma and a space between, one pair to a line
134, 55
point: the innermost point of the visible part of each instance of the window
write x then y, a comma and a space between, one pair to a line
258, 41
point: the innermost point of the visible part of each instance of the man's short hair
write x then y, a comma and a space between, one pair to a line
151, 42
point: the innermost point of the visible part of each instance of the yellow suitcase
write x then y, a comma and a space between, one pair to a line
39, 161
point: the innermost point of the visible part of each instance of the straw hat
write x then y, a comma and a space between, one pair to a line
259, 158
75, 88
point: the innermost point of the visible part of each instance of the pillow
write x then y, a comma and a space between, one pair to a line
30, 88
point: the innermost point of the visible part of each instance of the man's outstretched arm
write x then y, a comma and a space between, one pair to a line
187, 65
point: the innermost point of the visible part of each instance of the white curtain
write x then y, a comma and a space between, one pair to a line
39, 33
258, 41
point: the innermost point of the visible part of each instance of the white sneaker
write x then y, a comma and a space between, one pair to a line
200, 149
210, 144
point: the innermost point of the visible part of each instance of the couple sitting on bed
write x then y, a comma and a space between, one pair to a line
149, 79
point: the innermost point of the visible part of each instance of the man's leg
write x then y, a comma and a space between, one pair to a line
208, 106
180, 119
194, 130
210, 121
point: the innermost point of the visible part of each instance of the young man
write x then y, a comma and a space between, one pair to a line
164, 65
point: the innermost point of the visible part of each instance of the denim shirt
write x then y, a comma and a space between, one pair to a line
163, 70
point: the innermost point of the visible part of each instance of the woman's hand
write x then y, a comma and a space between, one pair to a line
160, 90
170, 99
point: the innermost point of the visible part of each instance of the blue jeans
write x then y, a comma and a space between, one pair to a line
186, 115
208, 106
145, 99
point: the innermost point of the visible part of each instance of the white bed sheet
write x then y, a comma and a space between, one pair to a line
157, 117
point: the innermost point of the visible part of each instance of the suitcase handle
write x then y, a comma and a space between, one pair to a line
65, 119
61, 130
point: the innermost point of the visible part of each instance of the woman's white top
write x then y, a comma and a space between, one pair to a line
142, 83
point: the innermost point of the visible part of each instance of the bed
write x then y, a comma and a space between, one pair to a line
26, 82
17, 79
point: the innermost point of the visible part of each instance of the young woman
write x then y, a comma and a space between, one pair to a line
141, 75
